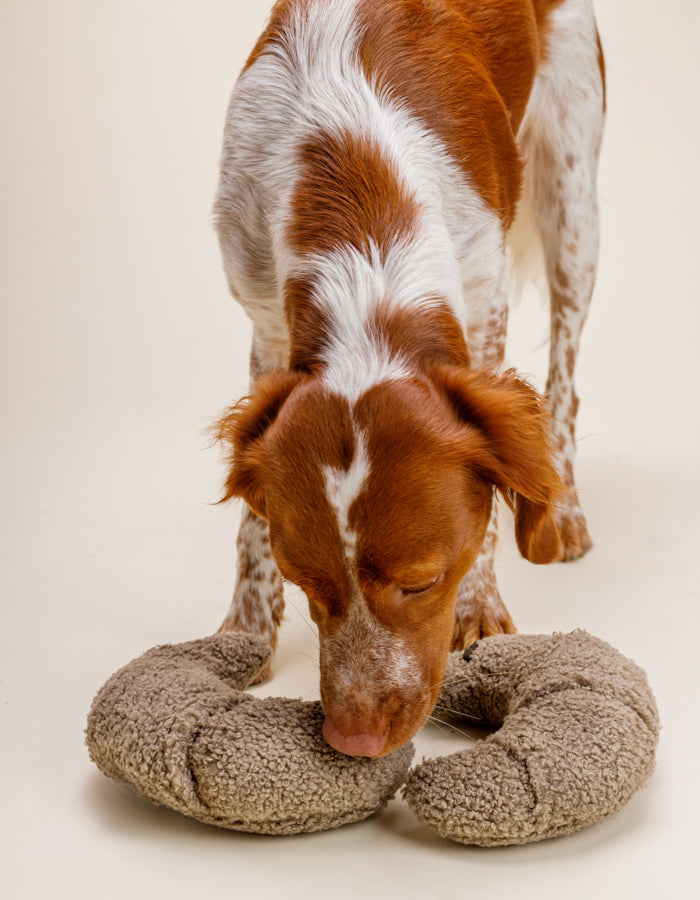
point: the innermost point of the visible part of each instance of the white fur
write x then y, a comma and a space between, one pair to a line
343, 486
354, 284
563, 115
561, 136
402, 667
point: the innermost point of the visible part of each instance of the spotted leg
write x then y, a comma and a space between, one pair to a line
257, 606
560, 139
480, 611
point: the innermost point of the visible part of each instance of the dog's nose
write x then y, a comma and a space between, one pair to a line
354, 744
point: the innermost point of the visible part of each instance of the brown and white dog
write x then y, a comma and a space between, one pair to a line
376, 153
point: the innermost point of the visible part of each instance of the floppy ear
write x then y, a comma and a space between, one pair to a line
243, 428
511, 448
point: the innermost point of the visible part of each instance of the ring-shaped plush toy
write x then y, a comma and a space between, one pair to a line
577, 732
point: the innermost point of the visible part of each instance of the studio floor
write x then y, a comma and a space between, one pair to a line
119, 347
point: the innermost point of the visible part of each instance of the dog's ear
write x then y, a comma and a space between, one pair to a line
506, 440
243, 428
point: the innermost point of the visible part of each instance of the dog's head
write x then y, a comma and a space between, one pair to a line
377, 508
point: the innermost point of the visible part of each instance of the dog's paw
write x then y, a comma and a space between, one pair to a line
478, 618
575, 540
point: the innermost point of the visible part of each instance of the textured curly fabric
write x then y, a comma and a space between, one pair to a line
577, 732
175, 724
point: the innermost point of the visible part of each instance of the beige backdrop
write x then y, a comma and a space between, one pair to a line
119, 346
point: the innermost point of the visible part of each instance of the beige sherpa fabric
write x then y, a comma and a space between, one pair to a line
175, 725
578, 732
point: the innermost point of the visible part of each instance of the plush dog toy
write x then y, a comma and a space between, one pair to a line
175, 724
577, 731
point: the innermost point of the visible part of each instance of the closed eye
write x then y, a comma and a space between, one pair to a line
421, 588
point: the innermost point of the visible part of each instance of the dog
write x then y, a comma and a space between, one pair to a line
382, 161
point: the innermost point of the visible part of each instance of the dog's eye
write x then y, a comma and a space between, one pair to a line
421, 588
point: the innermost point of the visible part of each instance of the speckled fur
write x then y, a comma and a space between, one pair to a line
560, 139
257, 606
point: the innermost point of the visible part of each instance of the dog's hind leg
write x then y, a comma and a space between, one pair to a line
560, 140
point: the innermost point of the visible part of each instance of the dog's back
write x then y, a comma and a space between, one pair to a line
436, 91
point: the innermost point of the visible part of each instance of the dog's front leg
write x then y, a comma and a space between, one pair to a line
480, 612
257, 606
258, 599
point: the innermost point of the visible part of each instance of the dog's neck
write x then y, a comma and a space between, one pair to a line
348, 347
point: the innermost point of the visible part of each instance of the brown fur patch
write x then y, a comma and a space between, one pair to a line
421, 335
348, 194
309, 326
448, 63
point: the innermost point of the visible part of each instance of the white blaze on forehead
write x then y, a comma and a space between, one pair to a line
343, 486
364, 655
